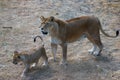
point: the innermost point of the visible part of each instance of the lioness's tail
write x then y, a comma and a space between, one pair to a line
100, 27
40, 38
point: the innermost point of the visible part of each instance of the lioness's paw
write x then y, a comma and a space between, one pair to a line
90, 51
96, 53
52, 59
64, 63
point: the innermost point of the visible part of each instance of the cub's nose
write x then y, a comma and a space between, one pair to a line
14, 62
41, 28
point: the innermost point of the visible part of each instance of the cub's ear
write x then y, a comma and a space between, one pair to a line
42, 18
52, 18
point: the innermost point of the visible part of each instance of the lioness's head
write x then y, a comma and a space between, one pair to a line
16, 57
48, 25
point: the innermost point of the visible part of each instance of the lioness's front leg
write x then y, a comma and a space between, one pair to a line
54, 50
64, 54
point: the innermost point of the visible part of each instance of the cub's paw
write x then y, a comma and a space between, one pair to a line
45, 64
23, 75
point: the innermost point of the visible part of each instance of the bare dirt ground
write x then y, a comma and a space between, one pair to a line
23, 17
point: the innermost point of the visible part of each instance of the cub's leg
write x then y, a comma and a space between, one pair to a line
26, 70
44, 56
54, 50
35, 64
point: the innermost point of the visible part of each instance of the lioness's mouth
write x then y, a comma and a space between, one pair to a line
45, 33
14, 62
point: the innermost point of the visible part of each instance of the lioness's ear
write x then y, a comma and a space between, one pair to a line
16, 52
42, 18
52, 18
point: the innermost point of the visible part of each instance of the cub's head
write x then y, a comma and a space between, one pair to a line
16, 57
48, 25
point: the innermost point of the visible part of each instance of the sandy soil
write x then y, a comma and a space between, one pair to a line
23, 17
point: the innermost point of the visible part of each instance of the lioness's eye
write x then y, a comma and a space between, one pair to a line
47, 23
18, 57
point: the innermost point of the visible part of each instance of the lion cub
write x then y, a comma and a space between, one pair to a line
30, 57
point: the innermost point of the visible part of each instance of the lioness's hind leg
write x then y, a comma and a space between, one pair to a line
91, 51
98, 50
95, 39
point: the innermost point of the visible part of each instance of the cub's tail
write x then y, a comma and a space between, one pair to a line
40, 38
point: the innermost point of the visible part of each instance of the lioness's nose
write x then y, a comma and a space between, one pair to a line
14, 62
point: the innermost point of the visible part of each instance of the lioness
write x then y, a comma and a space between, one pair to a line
63, 32
30, 57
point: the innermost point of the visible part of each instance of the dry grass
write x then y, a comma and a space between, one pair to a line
23, 17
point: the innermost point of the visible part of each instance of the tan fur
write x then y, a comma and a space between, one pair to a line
63, 32
30, 57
